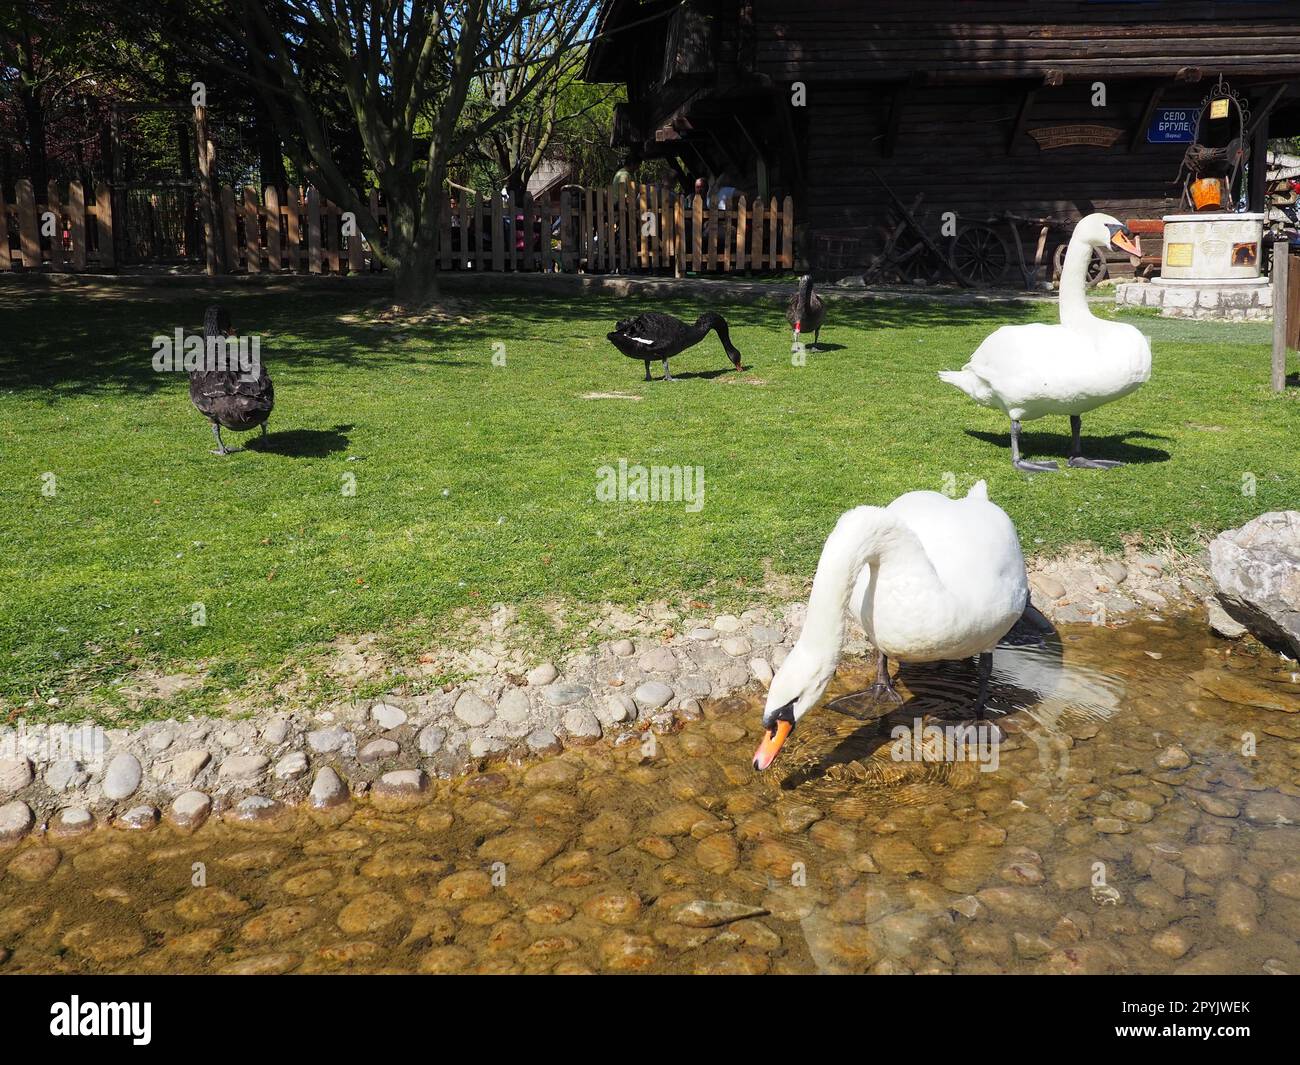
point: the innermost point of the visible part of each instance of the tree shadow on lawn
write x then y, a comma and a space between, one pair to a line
1115, 446
66, 345
303, 443
590, 313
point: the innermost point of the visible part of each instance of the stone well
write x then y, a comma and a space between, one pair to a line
1210, 269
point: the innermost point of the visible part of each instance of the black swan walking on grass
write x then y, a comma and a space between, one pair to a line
806, 311
655, 336
228, 396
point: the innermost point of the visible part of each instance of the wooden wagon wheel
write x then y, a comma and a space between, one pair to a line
979, 254
1098, 268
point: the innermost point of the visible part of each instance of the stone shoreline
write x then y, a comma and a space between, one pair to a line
653, 674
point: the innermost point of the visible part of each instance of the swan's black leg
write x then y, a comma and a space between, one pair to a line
647, 369
264, 430
1076, 458
667, 375
985, 673
883, 688
1018, 462
221, 448
817, 337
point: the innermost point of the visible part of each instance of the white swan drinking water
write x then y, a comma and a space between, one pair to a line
930, 579
1030, 371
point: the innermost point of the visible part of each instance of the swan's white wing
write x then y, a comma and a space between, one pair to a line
1038, 369
973, 547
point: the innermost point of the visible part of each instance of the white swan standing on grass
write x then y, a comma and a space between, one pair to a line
1029, 371
930, 579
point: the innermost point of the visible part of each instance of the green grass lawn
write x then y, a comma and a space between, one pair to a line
476, 483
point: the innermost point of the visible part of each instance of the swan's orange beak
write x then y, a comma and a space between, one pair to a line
1127, 241
773, 739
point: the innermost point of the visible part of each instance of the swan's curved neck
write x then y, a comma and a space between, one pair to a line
865, 536
1074, 286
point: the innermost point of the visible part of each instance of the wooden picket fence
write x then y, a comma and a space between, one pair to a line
621, 229
82, 231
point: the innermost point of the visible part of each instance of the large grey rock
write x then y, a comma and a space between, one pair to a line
291, 766
473, 711
243, 767
1256, 572
16, 821
138, 818
660, 660
1221, 622
276, 731
542, 675
189, 764
543, 741
15, 774
65, 775
652, 695
328, 789
327, 740
122, 776
430, 740
565, 694
378, 750
582, 725
387, 716
513, 706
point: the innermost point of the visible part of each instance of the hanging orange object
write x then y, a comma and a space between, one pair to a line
1207, 194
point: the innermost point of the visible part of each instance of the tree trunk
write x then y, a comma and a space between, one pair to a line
415, 279
34, 115
516, 184
270, 153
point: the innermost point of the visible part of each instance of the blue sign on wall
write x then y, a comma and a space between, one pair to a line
1172, 125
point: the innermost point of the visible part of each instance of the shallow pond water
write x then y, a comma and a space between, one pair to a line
1141, 813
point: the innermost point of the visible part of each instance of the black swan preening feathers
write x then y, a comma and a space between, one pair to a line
227, 396
653, 336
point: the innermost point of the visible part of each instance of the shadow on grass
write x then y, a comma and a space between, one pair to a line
707, 375
303, 443
66, 345
1115, 446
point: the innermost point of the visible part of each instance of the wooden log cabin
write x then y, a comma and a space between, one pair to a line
981, 107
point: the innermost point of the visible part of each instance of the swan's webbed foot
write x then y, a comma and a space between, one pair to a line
1024, 464
1034, 467
221, 448
1076, 458
1081, 463
883, 690
667, 375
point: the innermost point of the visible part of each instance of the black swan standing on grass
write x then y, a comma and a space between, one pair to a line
806, 311
228, 396
652, 336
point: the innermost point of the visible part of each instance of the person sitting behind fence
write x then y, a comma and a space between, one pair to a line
725, 196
